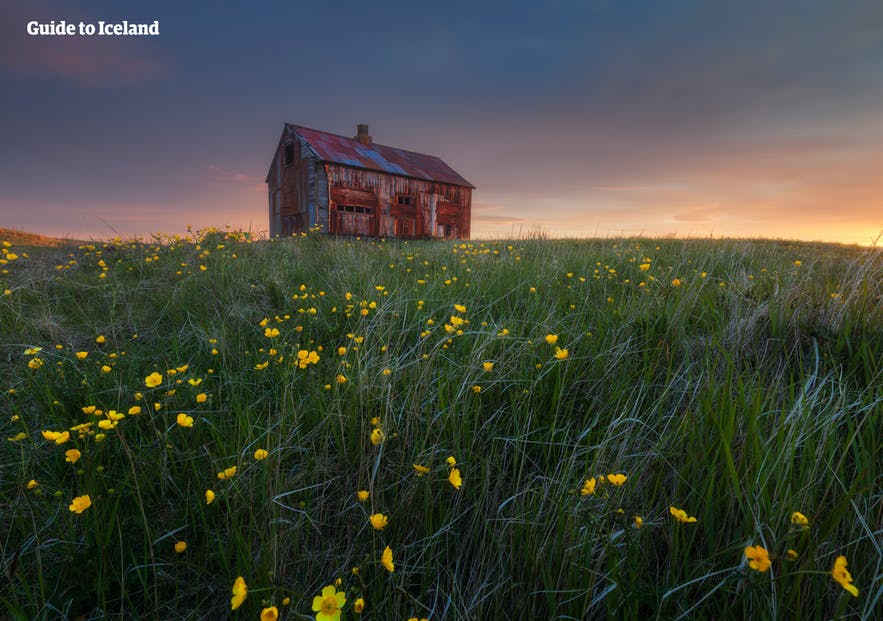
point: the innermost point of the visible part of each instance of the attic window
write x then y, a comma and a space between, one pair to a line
404, 199
289, 153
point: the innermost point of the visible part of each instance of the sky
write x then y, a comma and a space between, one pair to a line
574, 118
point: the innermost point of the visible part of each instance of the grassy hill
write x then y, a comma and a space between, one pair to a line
511, 429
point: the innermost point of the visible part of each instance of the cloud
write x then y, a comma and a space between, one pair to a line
487, 213
222, 175
93, 61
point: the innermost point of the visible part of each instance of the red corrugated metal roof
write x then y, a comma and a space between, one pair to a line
350, 152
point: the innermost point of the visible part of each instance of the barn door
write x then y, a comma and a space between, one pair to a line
354, 212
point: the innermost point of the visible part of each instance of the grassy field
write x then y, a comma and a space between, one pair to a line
547, 429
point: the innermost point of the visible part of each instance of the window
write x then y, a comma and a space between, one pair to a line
355, 209
289, 153
404, 199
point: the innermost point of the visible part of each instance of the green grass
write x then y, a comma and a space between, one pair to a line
751, 390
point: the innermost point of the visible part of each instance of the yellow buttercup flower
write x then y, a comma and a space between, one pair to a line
639, 521
153, 380
81, 355
454, 478
459, 308
680, 515
59, 437
616, 479
359, 606
589, 487
32, 484
72, 455
180, 547
386, 560
451, 461
759, 558
209, 496
377, 436
842, 576
561, 354
271, 333
260, 454
421, 470
378, 521
201, 397
362, 495
676, 282
798, 519
329, 604
551, 339
228, 473
341, 379
184, 421
270, 614
487, 366
240, 592
80, 504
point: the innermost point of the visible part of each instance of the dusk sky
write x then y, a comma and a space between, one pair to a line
577, 117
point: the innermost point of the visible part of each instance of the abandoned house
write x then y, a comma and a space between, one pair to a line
352, 186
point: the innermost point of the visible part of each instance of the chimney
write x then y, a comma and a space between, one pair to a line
362, 136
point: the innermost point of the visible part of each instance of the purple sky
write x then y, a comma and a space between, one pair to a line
577, 117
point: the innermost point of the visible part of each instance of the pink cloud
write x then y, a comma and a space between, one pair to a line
223, 175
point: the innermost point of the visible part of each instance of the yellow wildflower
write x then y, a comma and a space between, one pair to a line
561, 354
676, 282
59, 437
80, 504
359, 606
798, 519
100, 338
616, 479
377, 436
81, 355
270, 614
228, 473
639, 521
32, 484
551, 339
260, 454
209, 496
240, 592
153, 380
378, 521
362, 495
421, 470
386, 560
271, 333
759, 558
72, 455
134, 410
201, 397
180, 547
487, 366
184, 421
459, 308
35, 363
589, 487
341, 379
451, 461
842, 576
329, 604
454, 478
680, 515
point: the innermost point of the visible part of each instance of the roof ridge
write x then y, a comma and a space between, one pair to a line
386, 146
